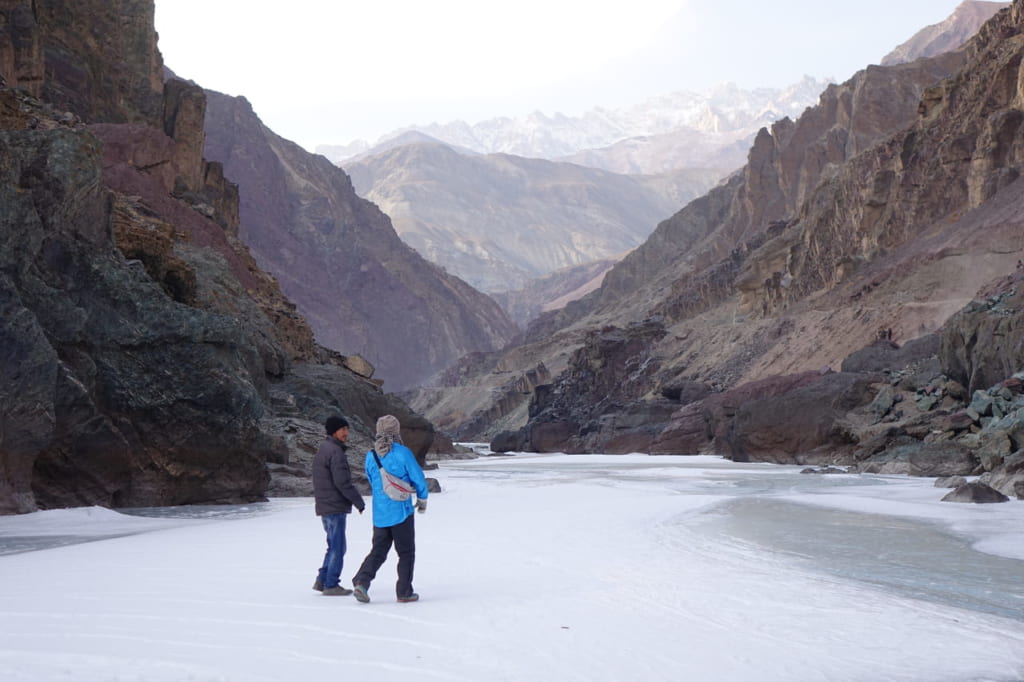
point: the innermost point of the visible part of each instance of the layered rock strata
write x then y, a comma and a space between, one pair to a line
147, 360
874, 215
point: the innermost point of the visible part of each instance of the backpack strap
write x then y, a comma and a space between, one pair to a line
379, 464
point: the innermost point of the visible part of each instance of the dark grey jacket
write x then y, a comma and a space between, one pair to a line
332, 480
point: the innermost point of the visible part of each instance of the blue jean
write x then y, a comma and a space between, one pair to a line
334, 526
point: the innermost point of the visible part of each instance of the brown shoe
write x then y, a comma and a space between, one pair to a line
409, 598
338, 591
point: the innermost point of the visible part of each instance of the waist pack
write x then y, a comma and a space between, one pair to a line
396, 488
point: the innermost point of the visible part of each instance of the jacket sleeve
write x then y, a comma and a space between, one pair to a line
415, 473
342, 477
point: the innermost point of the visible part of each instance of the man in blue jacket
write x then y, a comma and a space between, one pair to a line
334, 496
392, 520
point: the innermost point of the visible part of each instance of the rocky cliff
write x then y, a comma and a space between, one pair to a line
339, 259
866, 224
147, 360
946, 35
876, 216
690, 264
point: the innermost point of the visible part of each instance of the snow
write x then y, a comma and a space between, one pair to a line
533, 567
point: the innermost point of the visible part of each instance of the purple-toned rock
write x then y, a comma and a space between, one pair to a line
959, 421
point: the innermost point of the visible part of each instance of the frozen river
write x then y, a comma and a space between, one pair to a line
536, 567
766, 507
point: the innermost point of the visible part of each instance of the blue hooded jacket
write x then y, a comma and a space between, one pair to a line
402, 463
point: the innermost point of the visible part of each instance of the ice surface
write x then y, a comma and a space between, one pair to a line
539, 568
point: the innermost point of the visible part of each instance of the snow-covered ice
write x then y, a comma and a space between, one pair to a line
536, 567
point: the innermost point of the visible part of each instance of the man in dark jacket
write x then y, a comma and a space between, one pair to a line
335, 496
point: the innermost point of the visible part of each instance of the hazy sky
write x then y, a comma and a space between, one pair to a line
330, 71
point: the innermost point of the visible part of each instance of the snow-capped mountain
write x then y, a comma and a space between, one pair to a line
724, 110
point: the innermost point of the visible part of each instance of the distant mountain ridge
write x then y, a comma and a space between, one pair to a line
498, 220
723, 109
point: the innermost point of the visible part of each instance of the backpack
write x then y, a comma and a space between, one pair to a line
395, 488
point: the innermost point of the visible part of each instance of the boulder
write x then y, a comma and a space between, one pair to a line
790, 427
823, 470
978, 493
1007, 478
884, 355
554, 436
883, 402
509, 441
360, 366
689, 431
686, 392
993, 446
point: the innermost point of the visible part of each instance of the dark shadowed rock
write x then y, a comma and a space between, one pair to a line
317, 391
790, 427
823, 470
686, 392
914, 364
689, 431
984, 344
141, 343
509, 441
922, 459
141, 400
554, 436
978, 493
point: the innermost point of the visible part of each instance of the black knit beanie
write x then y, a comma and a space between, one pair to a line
334, 423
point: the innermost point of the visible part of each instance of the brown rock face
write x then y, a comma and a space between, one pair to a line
146, 359
95, 58
886, 207
718, 272
337, 256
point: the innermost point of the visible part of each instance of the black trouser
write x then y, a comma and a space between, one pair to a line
403, 536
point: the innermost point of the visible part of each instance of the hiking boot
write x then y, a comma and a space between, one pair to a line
318, 586
409, 597
360, 592
337, 591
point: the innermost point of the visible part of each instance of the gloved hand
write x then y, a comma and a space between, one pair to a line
421, 506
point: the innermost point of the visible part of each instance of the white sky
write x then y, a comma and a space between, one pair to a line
323, 71
533, 568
